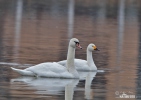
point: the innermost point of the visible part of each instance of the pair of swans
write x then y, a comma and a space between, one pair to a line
63, 69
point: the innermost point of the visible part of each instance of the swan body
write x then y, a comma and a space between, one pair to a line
84, 65
50, 69
53, 69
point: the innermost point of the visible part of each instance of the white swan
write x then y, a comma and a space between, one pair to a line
84, 65
53, 69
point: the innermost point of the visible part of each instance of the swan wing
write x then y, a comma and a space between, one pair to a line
44, 67
81, 64
50, 70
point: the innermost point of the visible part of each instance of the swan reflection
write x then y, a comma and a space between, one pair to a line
88, 77
48, 86
55, 86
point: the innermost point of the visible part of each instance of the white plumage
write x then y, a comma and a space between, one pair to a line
53, 69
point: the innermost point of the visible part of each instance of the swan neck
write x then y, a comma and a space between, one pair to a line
70, 62
89, 58
70, 58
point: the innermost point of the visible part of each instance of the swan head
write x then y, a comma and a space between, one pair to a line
92, 47
74, 42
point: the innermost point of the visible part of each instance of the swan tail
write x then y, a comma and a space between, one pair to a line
23, 72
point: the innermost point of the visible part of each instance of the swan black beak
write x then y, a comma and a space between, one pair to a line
95, 48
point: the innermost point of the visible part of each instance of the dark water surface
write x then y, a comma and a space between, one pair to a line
36, 31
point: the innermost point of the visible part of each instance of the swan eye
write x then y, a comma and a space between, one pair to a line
76, 42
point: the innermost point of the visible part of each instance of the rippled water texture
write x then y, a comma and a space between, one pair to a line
36, 31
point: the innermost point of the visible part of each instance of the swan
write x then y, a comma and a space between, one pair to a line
53, 69
84, 65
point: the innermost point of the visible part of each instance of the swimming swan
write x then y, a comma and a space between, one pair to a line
53, 69
84, 65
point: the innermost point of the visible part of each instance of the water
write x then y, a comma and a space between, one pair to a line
34, 31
